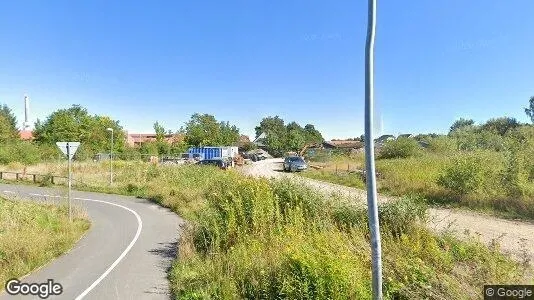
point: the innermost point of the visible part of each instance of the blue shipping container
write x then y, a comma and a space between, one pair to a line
206, 152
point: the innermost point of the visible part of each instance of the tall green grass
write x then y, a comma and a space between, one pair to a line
32, 234
259, 239
498, 182
251, 238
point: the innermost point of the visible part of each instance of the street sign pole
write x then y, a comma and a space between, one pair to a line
372, 206
69, 149
70, 180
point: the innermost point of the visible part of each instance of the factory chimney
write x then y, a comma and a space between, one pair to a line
26, 124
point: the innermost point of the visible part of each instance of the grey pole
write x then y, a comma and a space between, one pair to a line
70, 181
111, 158
372, 206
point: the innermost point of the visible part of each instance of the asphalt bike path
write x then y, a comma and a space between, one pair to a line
124, 255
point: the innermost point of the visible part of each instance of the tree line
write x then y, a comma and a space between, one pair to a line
77, 124
279, 138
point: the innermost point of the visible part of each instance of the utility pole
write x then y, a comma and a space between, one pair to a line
372, 206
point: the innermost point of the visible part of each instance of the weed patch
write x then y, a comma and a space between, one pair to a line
32, 234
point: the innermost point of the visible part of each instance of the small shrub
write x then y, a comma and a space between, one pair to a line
22, 152
515, 176
400, 148
46, 180
463, 175
396, 217
403, 215
442, 144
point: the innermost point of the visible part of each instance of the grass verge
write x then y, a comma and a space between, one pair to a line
32, 234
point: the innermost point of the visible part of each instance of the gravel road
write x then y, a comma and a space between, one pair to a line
515, 237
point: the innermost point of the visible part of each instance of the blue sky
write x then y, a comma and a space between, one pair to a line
148, 61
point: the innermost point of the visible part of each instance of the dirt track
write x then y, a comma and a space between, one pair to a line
515, 237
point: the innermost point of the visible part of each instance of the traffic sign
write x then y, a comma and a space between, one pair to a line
68, 148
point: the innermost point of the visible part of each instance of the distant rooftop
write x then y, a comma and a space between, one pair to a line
26, 135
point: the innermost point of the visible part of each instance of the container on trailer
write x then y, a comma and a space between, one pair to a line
230, 151
206, 152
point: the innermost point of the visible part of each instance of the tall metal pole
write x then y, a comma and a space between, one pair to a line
70, 181
111, 160
372, 205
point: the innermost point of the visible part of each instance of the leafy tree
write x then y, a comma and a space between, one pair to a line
178, 147
205, 130
275, 133
460, 124
149, 148
8, 125
313, 135
280, 138
76, 124
501, 126
8, 114
229, 134
271, 125
295, 136
7, 132
295, 139
160, 132
294, 126
530, 110
163, 147
202, 130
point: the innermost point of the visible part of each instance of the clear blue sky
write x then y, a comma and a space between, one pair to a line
140, 62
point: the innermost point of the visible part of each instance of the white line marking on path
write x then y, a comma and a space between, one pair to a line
47, 196
123, 254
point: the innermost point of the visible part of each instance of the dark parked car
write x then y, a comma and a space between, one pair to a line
294, 164
218, 162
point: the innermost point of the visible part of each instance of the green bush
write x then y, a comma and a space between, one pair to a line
46, 180
400, 148
473, 138
464, 175
515, 176
49, 152
442, 144
396, 218
22, 152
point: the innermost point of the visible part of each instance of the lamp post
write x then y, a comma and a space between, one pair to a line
111, 158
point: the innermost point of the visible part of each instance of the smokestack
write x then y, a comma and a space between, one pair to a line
26, 124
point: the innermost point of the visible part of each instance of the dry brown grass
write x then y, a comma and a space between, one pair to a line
31, 234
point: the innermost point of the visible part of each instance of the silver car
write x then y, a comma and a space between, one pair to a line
294, 164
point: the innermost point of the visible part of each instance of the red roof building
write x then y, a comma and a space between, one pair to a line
136, 139
26, 135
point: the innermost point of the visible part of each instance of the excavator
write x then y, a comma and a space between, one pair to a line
302, 151
306, 146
